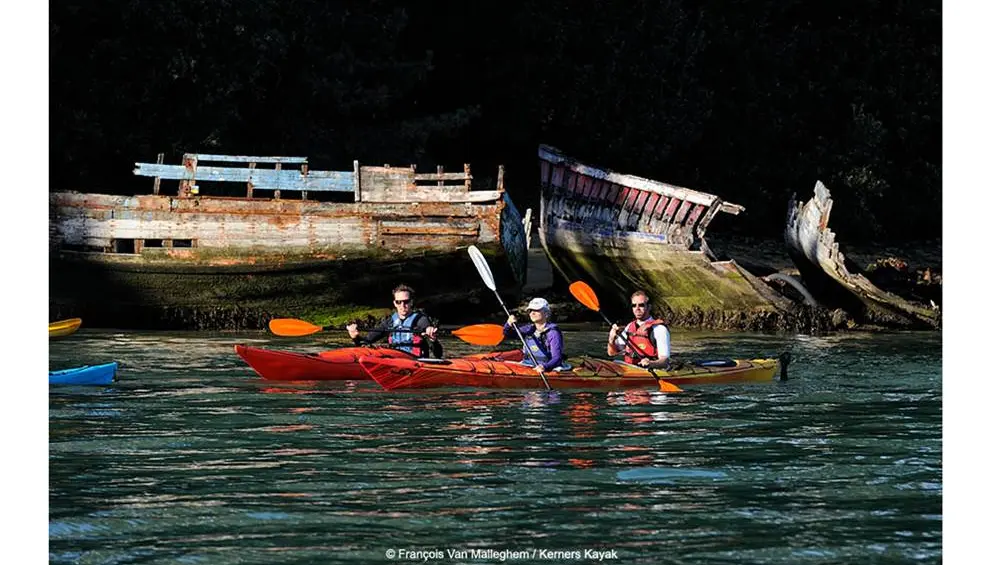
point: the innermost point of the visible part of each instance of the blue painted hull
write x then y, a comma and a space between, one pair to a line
86, 375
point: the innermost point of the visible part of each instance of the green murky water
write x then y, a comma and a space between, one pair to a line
191, 458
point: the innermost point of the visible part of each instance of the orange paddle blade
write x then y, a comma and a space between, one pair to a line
480, 334
666, 386
291, 327
584, 294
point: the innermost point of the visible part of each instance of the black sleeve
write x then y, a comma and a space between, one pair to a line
376, 334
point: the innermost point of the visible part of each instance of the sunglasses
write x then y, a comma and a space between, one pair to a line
639, 305
405, 301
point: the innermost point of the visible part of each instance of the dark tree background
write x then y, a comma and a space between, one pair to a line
748, 100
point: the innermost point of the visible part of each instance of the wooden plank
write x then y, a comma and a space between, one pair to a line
645, 217
708, 216
442, 176
428, 229
655, 219
337, 181
557, 177
249, 159
670, 210
693, 216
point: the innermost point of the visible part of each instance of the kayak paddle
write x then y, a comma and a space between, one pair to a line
478, 334
585, 295
486, 275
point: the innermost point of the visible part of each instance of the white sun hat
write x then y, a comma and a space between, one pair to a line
539, 304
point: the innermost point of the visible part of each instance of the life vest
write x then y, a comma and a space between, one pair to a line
640, 335
537, 344
401, 337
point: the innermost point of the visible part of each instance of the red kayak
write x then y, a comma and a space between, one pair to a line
334, 365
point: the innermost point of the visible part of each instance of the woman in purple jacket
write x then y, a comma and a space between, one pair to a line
543, 338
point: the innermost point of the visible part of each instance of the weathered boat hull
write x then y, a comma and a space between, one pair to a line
201, 262
822, 267
586, 374
110, 293
622, 233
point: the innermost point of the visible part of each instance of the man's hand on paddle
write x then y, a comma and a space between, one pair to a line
353, 330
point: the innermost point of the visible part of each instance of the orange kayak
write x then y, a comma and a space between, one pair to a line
337, 364
586, 373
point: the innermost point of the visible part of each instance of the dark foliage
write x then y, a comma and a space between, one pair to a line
749, 100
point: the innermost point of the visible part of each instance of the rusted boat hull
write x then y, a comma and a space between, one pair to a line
622, 233
824, 271
211, 262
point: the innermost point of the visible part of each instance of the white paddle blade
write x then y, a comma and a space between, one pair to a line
482, 265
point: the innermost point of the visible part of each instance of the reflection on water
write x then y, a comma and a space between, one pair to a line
191, 458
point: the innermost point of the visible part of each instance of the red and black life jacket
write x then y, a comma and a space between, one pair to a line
640, 335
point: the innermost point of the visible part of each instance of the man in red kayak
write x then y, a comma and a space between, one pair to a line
407, 329
649, 336
543, 338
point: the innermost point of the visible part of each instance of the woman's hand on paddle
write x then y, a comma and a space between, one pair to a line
512, 320
353, 330
645, 362
539, 368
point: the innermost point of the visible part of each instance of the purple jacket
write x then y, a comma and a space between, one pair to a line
548, 350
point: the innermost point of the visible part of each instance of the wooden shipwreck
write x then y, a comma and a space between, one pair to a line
837, 283
284, 241
622, 232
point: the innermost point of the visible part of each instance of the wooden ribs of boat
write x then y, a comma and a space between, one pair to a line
813, 247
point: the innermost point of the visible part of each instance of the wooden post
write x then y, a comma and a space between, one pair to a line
191, 163
467, 176
356, 180
278, 192
156, 180
251, 167
303, 171
501, 184
527, 223
439, 171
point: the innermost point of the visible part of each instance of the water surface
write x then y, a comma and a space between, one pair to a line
192, 458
